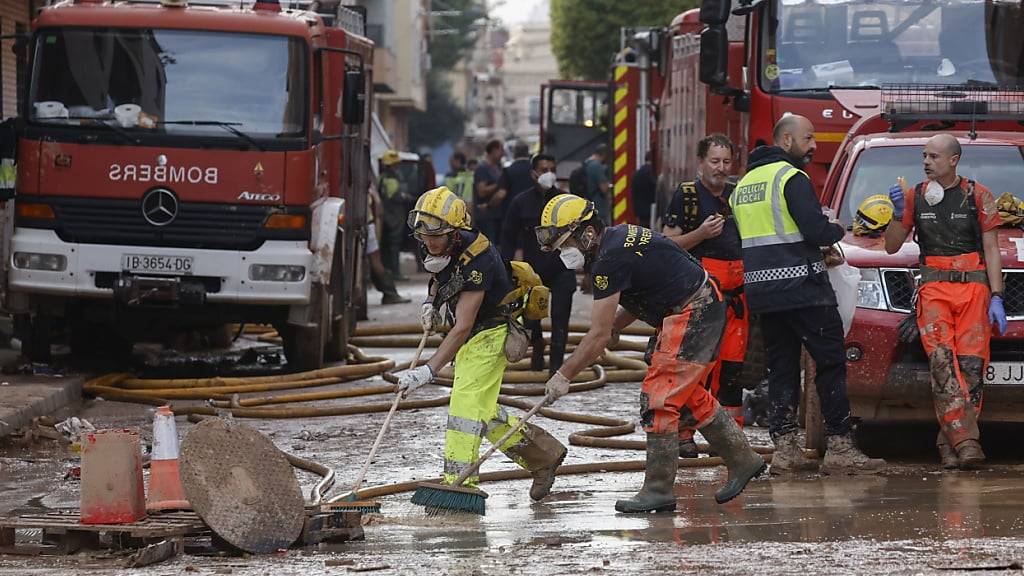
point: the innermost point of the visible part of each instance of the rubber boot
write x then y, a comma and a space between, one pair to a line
687, 447
659, 477
541, 454
843, 457
544, 478
946, 453
789, 456
729, 441
969, 454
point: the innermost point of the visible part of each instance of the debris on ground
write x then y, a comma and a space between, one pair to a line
155, 553
74, 427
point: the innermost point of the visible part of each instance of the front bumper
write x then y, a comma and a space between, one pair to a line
226, 272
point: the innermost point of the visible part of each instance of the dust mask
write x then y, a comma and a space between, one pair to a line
547, 180
572, 258
435, 264
934, 193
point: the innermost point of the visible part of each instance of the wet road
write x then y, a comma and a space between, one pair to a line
915, 519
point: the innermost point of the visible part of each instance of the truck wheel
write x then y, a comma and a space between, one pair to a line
755, 365
814, 426
37, 348
337, 336
303, 347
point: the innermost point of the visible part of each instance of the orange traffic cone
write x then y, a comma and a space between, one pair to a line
165, 491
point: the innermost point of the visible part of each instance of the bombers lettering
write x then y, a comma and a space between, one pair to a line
163, 174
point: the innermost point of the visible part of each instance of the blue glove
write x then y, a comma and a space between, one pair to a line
996, 313
898, 201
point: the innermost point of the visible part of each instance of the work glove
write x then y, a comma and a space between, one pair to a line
997, 314
908, 330
557, 386
410, 380
430, 318
898, 201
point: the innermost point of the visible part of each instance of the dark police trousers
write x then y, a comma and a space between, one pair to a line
820, 330
562, 287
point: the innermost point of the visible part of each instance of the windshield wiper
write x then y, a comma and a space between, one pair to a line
229, 126
96, 121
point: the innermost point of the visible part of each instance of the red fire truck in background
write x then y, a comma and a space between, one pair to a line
186, 165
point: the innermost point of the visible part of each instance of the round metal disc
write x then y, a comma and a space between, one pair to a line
242, 486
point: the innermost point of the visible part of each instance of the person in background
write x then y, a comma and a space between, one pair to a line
488, 197
427, 172
517, 234
379, 275
644, 186
460, 180
394, 198
516, 177
598, 186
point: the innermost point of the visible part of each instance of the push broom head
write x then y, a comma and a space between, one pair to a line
363, 506
442, 497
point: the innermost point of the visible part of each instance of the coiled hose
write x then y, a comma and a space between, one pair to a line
223, 397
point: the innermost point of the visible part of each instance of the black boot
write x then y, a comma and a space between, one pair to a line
659, 477
728, 440
386, 284
537, 359
557, 355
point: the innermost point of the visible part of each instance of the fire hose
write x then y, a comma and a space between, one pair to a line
222, 396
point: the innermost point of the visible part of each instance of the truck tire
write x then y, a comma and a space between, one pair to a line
303, 347
814, 426
36, 348
340, 311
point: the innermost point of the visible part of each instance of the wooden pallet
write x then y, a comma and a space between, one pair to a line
63, 534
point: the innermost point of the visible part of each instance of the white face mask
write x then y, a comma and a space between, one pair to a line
572, 258
435, 264
934, 193
547, 180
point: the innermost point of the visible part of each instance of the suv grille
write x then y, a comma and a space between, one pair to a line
899, 288
197, 225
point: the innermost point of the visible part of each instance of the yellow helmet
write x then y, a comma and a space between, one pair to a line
561, 216
873, 214
390, 158
438, 211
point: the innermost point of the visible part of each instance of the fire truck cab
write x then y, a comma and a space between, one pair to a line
186, 165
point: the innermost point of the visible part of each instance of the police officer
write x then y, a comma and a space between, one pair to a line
961, 293
518, 233
469, 282
700, 221
460, 179
782, 230
660, 283
394, 198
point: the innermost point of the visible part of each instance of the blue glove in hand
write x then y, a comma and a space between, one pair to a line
898, 201
997, 314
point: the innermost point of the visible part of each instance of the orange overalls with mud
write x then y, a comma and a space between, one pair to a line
953, 300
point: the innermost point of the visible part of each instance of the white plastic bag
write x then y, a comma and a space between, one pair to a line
845, 279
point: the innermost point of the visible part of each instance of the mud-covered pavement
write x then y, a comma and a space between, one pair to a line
915, 519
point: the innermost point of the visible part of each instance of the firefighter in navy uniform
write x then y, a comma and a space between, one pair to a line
659, 283
470, 285
700, 221
782, 231
961, 294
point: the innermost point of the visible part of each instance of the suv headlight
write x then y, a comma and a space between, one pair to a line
869, 291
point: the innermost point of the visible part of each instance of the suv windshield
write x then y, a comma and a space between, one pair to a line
817, 44
999, 168
146, 80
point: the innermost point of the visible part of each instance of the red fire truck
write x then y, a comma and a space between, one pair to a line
183, 165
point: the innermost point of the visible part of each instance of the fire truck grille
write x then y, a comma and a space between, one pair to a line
196, 225
899, 287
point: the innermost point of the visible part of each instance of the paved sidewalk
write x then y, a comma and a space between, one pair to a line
23, 398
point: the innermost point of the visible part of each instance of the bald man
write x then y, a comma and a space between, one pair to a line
960, 299
782, 230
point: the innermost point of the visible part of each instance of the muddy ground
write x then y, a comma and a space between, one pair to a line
914, 519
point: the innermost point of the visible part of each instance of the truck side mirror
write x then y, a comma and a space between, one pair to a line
713, 12
353, 97
714, 55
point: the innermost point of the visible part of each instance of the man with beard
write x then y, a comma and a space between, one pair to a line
700, 221
782, 231
517, 233
659, 283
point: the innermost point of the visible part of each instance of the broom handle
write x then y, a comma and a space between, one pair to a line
387, 421
512, 431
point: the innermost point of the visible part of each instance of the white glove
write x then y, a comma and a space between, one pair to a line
410, 380
557, 386
430, 318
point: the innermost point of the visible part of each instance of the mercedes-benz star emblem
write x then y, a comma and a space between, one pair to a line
159, 207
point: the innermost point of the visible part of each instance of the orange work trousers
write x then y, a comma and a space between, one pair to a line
955, 333
725, 376
673, 396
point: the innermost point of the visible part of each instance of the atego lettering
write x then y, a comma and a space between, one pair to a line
163, 174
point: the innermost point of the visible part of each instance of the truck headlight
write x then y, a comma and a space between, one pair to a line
869, 291
35, 261
276, 273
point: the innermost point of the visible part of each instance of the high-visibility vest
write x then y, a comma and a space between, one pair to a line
461, 184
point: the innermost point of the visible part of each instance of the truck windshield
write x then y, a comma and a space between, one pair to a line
999, 168
151, 80
816, 44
